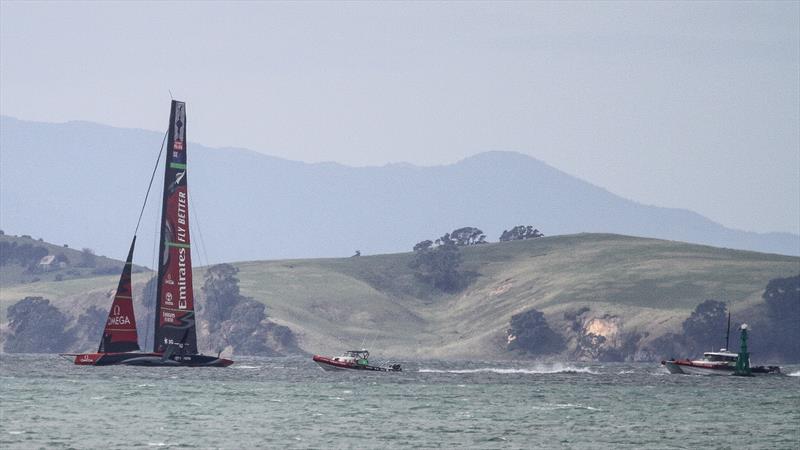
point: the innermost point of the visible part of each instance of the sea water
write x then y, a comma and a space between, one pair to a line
48, 402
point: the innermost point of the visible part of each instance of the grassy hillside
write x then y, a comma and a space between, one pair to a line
629, 285
75, 264
646, 284
72, 286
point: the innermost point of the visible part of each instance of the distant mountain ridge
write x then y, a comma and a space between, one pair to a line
83, 183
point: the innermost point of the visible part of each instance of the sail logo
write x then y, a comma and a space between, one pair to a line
181, 235
168, 299
182, 303
119, 320
178, 129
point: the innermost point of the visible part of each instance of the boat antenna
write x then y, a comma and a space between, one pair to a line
728, 333
170, 94
152, 176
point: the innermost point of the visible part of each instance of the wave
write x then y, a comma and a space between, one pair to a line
246, 367
553, 406
796, 373
554, 369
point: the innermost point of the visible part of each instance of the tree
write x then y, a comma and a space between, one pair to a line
423, 245
88, 258
438, 266
520, 232
782, 297
530, 332
38, 327
89, 325
468, 236
445, 240
222, 293
25, 255
706, 325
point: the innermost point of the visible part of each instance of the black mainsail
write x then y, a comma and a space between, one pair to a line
174, 318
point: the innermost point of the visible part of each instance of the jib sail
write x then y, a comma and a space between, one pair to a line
119, 334
175, 318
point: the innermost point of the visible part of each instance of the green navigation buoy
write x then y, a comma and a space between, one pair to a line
743, 361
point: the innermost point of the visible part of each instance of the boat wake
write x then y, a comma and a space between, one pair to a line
555, 369
796, 373
555, 406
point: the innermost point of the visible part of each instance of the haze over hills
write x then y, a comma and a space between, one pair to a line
83, 184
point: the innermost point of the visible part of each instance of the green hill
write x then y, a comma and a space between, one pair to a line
610, 285
629, 285
21, 262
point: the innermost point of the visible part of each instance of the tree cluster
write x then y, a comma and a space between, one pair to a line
519, 233
702, 331
240, 321
779, 335
221, 287
37, 327
88, 258
437, 263
529, 332
466, 236
26, 255
705, 327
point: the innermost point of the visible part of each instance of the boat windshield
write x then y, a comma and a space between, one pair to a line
716, 357
358, 354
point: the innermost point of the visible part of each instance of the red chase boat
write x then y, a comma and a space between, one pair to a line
175, 332
353, 360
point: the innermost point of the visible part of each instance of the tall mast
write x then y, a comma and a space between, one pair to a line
728, 333
175, 318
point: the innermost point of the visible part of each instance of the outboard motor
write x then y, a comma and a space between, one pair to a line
396, 367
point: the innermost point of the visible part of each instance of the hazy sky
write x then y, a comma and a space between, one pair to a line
692, 105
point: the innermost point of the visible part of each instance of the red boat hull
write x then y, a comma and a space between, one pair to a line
331, 364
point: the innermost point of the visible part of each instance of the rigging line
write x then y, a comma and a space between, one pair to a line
152, 176
151, 293
154, 264
196, 221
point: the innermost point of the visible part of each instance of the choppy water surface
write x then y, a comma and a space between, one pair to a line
289, 402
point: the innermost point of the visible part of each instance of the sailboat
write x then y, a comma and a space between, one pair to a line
175, 331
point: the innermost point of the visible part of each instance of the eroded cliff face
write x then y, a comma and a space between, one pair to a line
588, 336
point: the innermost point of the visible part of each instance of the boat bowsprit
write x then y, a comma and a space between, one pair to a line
353, 360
